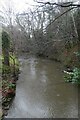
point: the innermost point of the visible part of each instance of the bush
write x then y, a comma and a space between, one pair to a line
74, 77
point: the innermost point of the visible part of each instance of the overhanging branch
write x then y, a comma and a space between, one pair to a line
61, 15
62, 4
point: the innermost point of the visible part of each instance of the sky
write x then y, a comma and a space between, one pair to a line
22, 5
17, 5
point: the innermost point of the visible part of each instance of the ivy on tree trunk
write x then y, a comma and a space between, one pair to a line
5, 47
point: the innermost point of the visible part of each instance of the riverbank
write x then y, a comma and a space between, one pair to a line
9, 78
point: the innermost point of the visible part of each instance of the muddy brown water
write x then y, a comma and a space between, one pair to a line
42, 93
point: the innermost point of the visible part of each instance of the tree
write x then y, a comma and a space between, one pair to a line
77, 21
5, 47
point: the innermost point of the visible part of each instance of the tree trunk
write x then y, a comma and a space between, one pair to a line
5, 47
6, 57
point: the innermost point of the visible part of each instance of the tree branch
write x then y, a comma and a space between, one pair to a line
60, 16
63, 4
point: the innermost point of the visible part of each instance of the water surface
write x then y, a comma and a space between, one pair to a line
42, 93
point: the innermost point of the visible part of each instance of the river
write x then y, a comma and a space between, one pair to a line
42, 93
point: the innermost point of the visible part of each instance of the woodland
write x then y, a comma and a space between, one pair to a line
51, 30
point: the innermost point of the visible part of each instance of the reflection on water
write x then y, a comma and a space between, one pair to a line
42, 93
